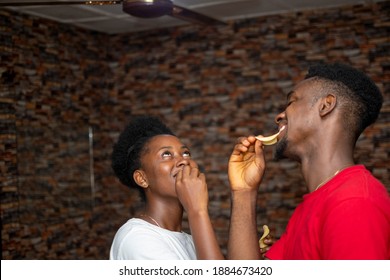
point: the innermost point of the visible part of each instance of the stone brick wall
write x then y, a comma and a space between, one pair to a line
66, 93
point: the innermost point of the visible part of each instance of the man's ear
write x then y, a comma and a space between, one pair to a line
140, 178
328, 103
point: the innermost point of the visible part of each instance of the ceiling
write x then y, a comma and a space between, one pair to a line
112, 20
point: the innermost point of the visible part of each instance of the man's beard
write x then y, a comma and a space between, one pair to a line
280, 149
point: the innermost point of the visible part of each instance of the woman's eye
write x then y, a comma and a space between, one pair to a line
166, 154
187, 154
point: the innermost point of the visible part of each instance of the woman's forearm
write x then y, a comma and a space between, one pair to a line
206, 244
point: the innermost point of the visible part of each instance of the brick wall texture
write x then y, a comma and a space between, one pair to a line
66, 93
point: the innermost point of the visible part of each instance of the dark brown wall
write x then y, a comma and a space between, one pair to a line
66, 93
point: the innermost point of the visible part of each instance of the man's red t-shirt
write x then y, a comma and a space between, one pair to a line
347, 218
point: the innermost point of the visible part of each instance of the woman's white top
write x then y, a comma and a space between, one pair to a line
140, 240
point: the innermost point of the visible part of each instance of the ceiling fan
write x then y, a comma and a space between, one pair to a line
137, 8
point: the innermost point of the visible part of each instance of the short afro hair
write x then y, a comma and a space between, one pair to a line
363, 98
130, 145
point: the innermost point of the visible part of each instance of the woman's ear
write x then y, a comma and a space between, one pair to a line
139, 177
328, 103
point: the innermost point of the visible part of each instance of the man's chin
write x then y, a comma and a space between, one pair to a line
280, 150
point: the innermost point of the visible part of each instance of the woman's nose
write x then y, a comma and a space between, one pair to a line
183, 161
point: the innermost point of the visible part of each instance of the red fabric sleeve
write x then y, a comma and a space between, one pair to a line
276, 250
355, 229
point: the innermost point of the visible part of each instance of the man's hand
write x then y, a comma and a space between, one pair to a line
246, 164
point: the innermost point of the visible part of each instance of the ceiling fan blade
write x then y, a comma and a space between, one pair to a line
192, 16
147, 9
138, 8
42, 3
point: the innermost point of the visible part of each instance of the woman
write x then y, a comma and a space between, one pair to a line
149, 157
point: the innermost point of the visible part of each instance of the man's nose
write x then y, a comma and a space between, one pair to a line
281, 116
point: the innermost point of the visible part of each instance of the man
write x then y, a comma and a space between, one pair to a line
346, 214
